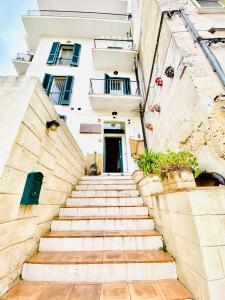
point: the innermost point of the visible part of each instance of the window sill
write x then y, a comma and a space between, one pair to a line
211, 10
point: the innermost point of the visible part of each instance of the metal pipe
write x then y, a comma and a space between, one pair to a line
154, 58
140, 107
205, 47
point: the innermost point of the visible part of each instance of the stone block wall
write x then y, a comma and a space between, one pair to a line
193, 226
27, 146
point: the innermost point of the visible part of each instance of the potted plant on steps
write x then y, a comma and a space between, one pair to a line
176, 169
147, 181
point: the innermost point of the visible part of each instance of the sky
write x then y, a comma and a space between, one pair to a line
12, 34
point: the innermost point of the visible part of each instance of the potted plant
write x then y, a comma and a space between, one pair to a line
176, 169
146, 162
147, 182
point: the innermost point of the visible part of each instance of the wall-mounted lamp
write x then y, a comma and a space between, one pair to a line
52, 125
114, 114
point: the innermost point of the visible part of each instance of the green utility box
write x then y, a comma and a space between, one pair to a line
32, 189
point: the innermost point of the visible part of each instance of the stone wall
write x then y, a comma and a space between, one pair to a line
190, 118
193, 226
26, 146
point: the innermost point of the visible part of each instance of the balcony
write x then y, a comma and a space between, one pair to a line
114, 6
114, 94
22, 62
78, 24
113, 54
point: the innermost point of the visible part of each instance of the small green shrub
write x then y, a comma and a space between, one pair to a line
175, 161
146, 161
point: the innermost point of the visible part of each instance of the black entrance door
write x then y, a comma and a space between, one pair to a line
113, 155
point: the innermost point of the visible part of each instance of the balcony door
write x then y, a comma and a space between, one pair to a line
117, 86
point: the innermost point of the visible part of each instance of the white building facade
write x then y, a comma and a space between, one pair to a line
84, 55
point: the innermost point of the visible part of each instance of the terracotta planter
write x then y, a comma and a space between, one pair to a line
178, 180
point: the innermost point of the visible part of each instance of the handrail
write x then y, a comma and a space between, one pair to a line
82, 14
115, 86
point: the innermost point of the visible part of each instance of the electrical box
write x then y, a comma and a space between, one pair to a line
32, 189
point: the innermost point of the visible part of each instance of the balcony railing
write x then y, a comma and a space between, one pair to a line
24, 57
79, 14
113, 86
56, 97
113, 44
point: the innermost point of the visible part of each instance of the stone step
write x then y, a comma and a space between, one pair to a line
105, 194
107, 181
106, 187
139, 290
104, 211
103, 201
100, 240
103, 223
111, 177
99, 266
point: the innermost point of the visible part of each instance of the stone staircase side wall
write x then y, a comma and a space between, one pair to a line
27, 146
193, 226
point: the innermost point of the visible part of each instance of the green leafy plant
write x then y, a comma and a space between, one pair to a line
146, 161
170, 161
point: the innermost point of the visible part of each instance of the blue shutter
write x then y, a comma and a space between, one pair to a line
126, 86
107, 84
54, 53
76, 55
67, 91
47, 83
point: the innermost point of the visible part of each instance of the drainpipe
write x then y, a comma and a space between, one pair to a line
154, 58
204, 43
140, 106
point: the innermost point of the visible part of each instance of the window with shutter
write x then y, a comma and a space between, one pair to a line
54, 53
67, 91
209, 3
76, 55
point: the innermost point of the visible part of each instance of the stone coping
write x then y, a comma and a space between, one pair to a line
202, 188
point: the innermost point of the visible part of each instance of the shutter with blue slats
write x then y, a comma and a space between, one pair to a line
126, 86
76, 55
107, 84
47, 83
54, 53
67, 91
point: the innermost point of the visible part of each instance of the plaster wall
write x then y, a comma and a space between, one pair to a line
190, 118
27, 146
80, 98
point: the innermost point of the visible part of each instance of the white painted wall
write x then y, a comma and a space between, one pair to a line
80, 99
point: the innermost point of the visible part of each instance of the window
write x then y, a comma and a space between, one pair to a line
117, 86
211, 3
63, 117
64, 54
58, 88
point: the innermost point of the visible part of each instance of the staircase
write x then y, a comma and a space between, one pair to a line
102, 246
